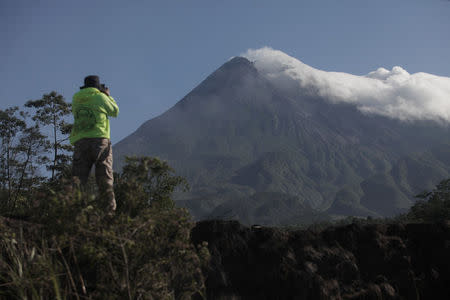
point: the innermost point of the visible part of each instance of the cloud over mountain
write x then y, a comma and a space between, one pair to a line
393, 93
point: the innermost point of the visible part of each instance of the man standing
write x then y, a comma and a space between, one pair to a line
91, 107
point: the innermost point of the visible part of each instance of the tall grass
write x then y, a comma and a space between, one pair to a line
70, 248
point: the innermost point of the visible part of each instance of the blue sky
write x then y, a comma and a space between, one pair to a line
152, 53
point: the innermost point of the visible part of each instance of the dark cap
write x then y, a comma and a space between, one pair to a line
91, 81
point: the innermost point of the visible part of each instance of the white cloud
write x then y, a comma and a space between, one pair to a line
395, 93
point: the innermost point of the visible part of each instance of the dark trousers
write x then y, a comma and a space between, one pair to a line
98, 152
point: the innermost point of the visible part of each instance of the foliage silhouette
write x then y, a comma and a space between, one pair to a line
22, 151
151, 182
433, 206
70, 248
51, 110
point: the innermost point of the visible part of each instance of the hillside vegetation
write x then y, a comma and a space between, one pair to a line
57, 242
65, 247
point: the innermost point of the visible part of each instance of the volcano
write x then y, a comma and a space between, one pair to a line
263, 150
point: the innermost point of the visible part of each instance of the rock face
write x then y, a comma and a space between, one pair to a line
376, 261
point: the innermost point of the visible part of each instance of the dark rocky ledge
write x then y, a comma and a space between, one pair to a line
409, 261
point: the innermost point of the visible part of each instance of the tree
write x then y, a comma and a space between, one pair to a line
434, 205
10, 126
21, 152
145, 182
51, 111
30, 149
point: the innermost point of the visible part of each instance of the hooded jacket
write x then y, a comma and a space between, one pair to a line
91, 109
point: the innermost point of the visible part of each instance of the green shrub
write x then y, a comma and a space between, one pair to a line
146, 182
71, 249
433, 206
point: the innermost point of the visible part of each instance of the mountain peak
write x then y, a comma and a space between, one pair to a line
229, 74
240, 65
252, 147
238, 60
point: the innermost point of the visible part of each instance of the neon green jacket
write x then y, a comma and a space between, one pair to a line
91, 109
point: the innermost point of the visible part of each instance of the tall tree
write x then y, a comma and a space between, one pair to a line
31, 150
10, 127
22, 149
51, 111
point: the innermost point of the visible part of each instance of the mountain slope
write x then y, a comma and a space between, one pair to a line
239, 134
388, 193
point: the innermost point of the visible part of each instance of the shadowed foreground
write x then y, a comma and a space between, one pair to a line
395, 261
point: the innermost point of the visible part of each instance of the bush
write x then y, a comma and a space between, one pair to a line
71, 249
433, 206
146, 182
